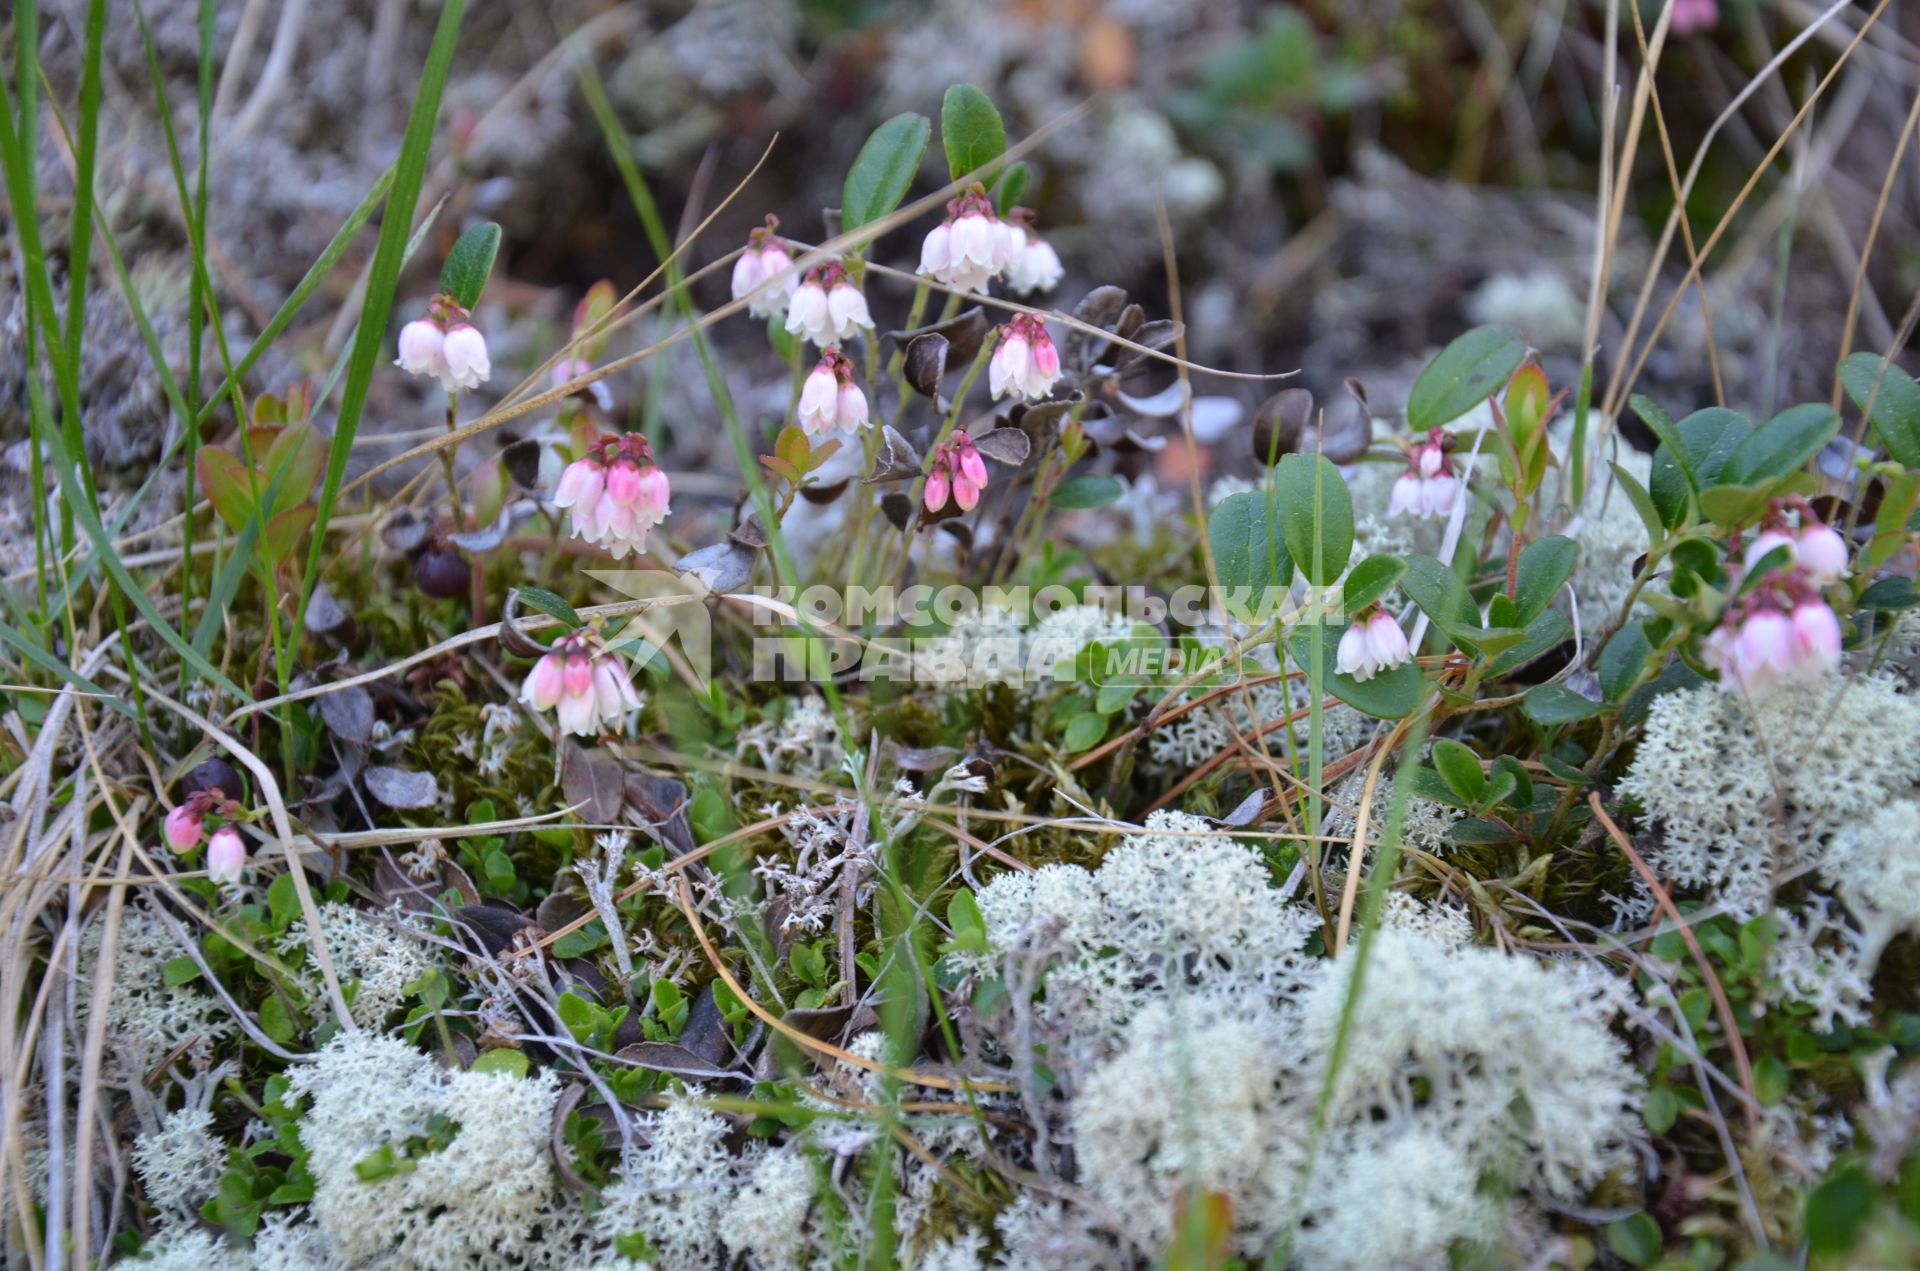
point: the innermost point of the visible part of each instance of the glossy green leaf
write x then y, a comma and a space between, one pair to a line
1542, 635
1460, 768
1553, 704
1440, 594
1315, 511
1545, 566
884, 170
1896, 403
1623, 659
1781, 445
1371, 579
470, 264
1466, 373
971, 132
1247, 553
1706, 438
547, 602
1731, 505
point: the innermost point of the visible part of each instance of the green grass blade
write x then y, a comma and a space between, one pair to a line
383, 279
69, 452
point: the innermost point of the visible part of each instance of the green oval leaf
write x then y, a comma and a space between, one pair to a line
1706, 439
971, 132
1541, 635
884, 169
1089, 490
1895, 414
1635, 1238
1371, 579
504, 1060
549, 603
1545, 566
1316, 515
1460, 768
1623, 659
1552, 704
1441, 596
1781, 445
470, 264
1085, 731
1247, 552
1466, 373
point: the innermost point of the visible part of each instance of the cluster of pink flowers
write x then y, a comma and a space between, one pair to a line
1429, 486
1374, 643
970, 248
827, 308
445, 344
959, 469
586, 686
226, 850
617, 493
765, 271
1025, 362
1783, 628
830, 401
1815, 550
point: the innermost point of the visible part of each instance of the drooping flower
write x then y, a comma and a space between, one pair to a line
422, 344
969, 249
466, 356
616, 492
830, 400
1429, 487
1373, 644
1760, 642
1032, 264
1822, 553
184, 826
446, 345
1025, 362
226, 856
765, 271
957, 469
587, 687
827, 308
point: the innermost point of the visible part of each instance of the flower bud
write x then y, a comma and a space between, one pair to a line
183, 827
1026, 362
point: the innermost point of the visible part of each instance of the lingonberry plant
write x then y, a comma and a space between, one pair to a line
1466, 838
